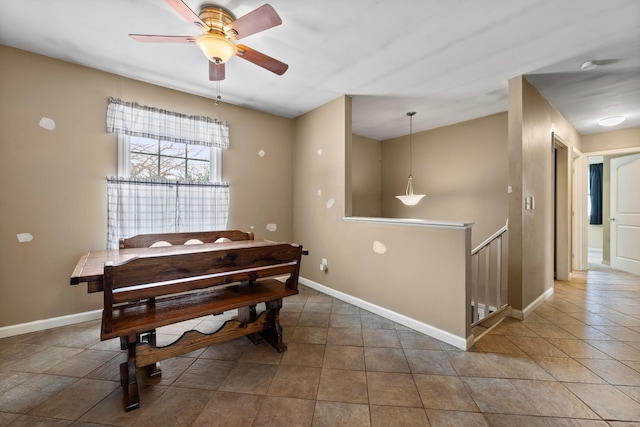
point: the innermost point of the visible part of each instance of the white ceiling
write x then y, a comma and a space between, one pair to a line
447, 60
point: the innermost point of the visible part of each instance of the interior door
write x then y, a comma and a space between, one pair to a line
625, 213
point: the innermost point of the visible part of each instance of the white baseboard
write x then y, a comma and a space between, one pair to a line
449, 338
439, 334
523, 314
54, 322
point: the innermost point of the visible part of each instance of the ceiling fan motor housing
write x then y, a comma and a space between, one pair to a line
216, 18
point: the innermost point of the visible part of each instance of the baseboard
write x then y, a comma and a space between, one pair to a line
523, 314
439, 334
54, 322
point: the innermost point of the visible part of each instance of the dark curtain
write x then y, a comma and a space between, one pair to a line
595, 184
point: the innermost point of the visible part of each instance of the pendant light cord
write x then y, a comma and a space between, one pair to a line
410, 114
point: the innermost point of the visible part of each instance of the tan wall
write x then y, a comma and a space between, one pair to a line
612, 140
365, 176
423, 273
53, 182
462, 169
532, 121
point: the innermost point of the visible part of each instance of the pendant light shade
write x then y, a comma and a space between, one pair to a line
409, 198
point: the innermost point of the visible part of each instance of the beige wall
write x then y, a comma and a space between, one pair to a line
461, 168
612, 140
54, 181
532, 122
423, 273
54, 188
365, 176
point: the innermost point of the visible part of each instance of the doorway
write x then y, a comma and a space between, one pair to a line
581, 221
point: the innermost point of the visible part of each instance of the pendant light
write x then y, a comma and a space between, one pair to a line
409, 198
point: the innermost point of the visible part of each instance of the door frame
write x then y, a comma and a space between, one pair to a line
561, 211
579, 223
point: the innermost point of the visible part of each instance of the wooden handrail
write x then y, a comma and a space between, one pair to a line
491, 238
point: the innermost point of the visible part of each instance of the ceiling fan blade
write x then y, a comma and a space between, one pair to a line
147, 38
259, 19
216, 71
188, 14
262, 60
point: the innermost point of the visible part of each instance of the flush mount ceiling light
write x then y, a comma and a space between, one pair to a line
409, 198
588, 65
612, 121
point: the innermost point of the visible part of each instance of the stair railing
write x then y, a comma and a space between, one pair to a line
486, 277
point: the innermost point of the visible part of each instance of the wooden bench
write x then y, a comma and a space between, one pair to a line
149, 292
172, 239
149, 240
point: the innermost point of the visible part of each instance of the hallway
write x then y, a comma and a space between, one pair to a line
574, 362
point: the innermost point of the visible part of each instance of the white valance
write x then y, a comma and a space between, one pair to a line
130, 118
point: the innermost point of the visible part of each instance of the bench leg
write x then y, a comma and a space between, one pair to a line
128, 380
273, 334
153, 370
248, 315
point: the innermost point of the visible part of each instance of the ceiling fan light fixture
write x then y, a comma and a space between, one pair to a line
216, 48
410, 199
611, 121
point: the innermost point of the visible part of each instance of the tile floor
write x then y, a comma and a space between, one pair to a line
574, 362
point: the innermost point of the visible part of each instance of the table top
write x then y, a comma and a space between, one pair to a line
90, 267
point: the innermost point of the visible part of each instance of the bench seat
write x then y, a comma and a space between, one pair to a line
139, 317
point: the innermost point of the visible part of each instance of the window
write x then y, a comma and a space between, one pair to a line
150, 158
169, 167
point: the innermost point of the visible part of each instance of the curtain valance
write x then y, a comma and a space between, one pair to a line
133, 119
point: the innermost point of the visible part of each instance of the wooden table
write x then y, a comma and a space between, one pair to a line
90, 267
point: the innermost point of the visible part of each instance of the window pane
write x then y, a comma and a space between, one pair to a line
172, 168
198, 152
143, 145
177, 161
144, 166
198, 170
177, 149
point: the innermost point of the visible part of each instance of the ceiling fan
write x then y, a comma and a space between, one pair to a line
220, 26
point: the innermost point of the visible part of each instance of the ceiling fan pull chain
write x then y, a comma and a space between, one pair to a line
218, 97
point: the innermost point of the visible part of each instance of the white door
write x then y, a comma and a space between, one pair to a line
625, 213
